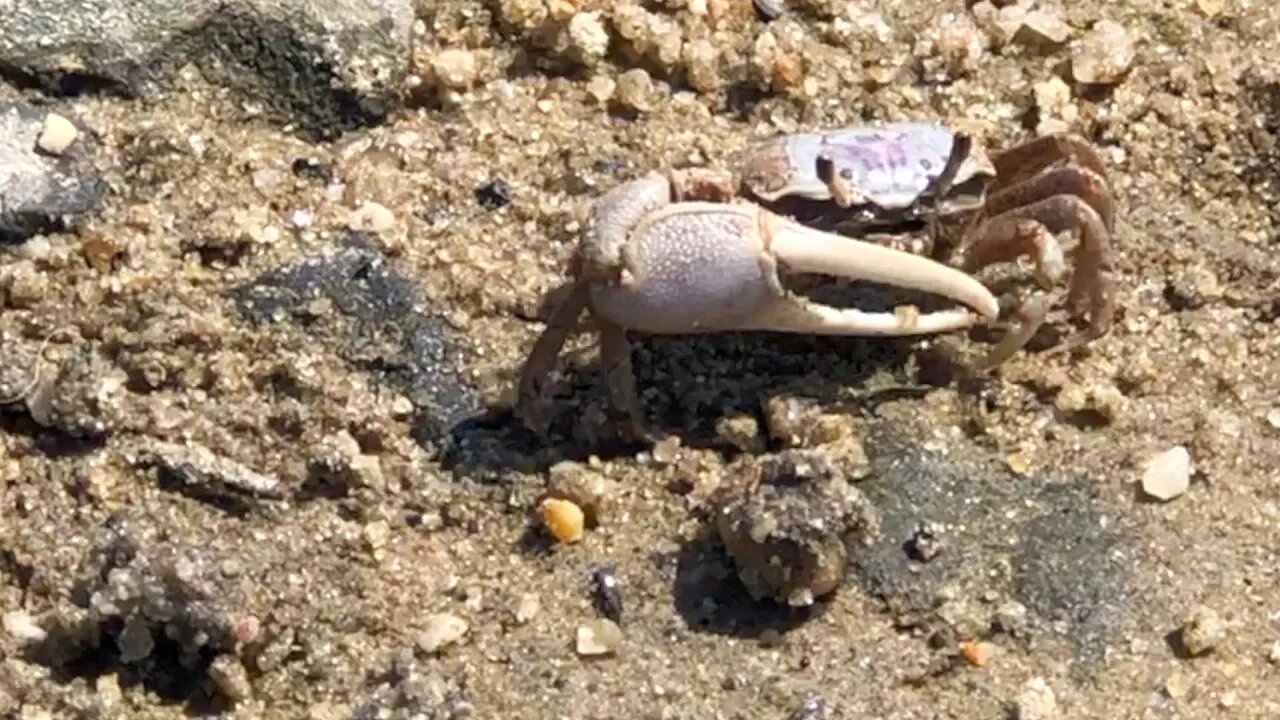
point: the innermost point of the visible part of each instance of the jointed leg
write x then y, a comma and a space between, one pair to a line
1025, 231
1021, 162
542, 359
1081, 182
615, 357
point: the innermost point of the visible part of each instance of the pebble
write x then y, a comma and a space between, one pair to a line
1168, 474
229, 676
601, 87
1036, 701
742, 432
527, 608
26, 285
494, 194
588, 36
454, 69
563, 519
701, 60
524, 14
1203, 631
21, 626
635, 87
1274, 655
587, 489
1011, 618
371, 217
1209, 8
57, 135
1273, 418
442, 630
1034, 28
667, 450
1178, 685
599, 637
977, 654
135, 640
1104, 55
1053, 99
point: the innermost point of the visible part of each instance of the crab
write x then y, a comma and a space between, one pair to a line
701, 250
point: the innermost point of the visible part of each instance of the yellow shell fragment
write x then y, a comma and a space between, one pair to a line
563, 519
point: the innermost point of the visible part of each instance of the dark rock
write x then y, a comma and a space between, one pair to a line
313, 169
790, 523
391, 334
322, 65
494, 194
42, 193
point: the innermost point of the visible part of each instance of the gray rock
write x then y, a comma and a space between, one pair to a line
41, 192
323, 65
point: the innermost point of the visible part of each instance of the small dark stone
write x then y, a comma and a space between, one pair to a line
313, 169
494, 194
607, 593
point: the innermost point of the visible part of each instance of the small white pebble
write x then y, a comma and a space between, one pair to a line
635, 88
588, 35
527, 608
601, 87
1168, 474
21, 626
1274, 656
57, 135
454, 69
442, 630
371, 217
600, 637
1036, 701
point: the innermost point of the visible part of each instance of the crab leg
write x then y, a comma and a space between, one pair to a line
1021, 162
546, 349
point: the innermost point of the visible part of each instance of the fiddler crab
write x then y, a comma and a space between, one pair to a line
701, 251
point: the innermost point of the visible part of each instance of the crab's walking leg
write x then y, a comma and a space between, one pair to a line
615, 356
1081, 182
1031, 316
1025, 231
1015, 164
542, 359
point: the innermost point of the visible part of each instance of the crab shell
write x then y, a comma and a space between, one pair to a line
891, 170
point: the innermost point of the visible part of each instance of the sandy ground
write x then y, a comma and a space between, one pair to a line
346, 396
